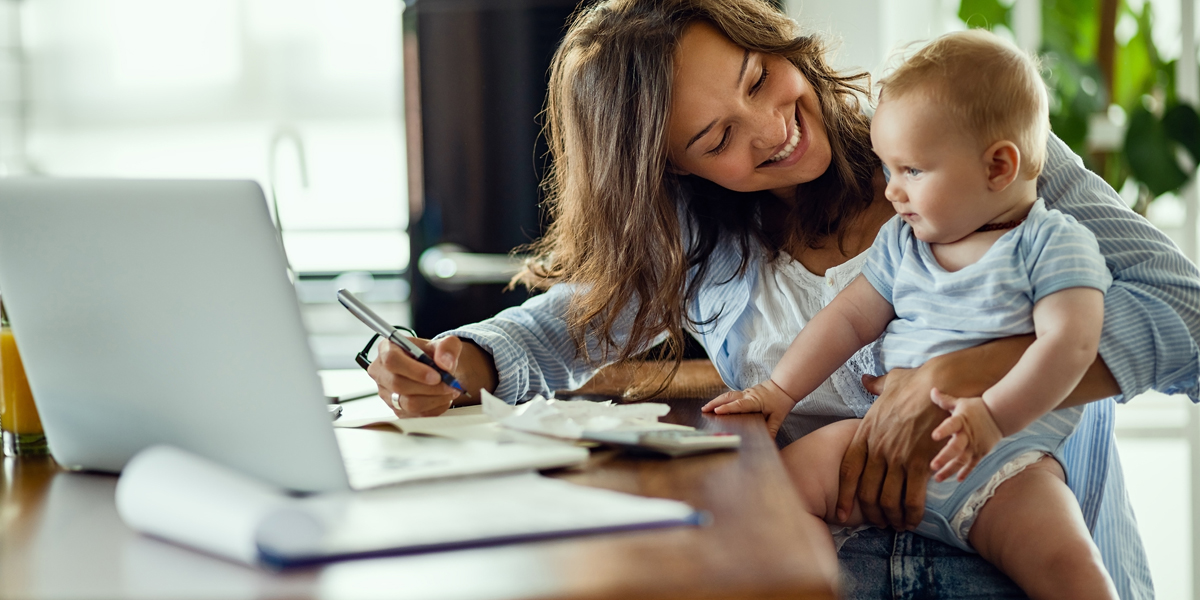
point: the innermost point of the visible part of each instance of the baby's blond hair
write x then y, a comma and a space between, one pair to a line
986, 87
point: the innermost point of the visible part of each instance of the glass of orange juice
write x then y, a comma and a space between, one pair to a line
21, 428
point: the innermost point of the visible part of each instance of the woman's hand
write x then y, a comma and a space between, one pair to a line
887, 464
890, 480
412, 389
972, 431
766, 398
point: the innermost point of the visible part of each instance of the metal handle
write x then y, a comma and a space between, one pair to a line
451, 267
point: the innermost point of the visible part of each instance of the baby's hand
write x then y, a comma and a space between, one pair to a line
972, 432
766, 397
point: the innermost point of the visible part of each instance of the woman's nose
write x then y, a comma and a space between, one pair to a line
771, 131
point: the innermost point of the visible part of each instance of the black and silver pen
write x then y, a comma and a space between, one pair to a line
383, 328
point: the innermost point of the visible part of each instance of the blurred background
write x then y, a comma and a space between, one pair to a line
397, 142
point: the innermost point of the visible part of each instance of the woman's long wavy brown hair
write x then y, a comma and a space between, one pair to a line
614, 207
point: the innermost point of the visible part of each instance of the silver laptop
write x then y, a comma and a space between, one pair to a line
155, 312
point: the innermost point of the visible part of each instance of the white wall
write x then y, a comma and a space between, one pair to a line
869, 30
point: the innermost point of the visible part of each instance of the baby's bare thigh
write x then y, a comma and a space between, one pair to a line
813, 462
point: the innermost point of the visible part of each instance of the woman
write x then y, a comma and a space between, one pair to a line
712, 174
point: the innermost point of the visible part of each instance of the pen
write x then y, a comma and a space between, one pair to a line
385, 329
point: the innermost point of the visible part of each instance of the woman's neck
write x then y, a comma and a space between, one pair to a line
856, 236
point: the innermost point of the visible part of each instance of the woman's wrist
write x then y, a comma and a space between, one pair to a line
971, 371
1097, 383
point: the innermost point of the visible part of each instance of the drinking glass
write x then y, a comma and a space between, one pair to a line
19, 423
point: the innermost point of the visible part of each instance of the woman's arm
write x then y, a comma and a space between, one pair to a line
1152, 309
522, 351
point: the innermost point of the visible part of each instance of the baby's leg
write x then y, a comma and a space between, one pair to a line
813, 462
1033, 531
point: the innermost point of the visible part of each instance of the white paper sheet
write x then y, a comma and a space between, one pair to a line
568, 419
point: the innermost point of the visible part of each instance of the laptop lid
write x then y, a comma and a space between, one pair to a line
153, 312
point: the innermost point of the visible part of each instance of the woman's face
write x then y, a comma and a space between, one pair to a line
746, 121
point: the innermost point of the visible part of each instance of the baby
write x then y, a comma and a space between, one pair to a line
972, 255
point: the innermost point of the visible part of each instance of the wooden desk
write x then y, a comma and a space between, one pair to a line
60, 537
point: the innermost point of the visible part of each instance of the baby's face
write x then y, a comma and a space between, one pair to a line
939, 178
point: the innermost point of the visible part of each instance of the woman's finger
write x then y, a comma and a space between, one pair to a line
853, 462
417, 405
398, 363
404, 386
427, 406
891, 497
914, 501
445, 352
869, 486
874, 384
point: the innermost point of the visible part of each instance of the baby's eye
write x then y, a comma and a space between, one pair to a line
912, 172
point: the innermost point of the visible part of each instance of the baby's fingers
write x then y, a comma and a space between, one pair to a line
946, 472
970, 466
952, 425
722, 400
951, 454
744, 404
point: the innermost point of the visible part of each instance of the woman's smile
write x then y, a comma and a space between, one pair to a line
792, 151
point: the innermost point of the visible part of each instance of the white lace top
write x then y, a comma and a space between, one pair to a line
783, 300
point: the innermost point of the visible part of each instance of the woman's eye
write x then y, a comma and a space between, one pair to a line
721, 146
761, 79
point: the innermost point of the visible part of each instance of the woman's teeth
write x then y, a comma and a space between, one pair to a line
789, 148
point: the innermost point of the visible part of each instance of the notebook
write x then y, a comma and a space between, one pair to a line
183, 498
160, 312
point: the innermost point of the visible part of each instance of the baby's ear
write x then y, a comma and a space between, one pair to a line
1003, 161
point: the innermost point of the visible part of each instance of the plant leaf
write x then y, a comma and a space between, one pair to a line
984, 13
1182, 124
1151, 153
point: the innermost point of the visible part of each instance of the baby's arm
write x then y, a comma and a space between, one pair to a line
1067, 324
856, 317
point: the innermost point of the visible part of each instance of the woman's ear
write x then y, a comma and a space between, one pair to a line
1003, 161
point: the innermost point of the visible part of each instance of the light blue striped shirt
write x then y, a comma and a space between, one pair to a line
1151, 324
940, 311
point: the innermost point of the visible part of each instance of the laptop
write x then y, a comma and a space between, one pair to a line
160, 312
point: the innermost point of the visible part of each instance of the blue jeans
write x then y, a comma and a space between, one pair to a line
885, 564
882, 563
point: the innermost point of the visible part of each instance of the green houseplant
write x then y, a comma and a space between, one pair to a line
1090, 69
